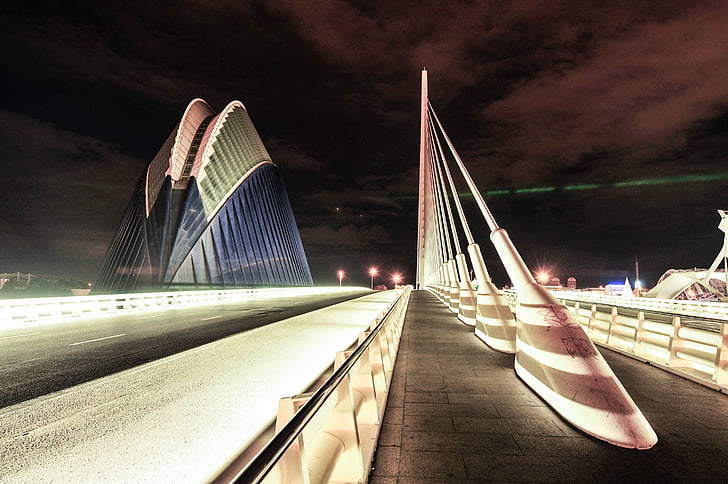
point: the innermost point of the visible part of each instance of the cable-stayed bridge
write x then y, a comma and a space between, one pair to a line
456, 380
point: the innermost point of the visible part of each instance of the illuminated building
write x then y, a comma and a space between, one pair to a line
210, 210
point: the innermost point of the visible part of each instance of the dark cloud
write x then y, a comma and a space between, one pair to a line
293, 157
345, 238
63, 196
534, 94
636, 96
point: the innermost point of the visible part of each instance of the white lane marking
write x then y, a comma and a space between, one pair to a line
18, 336
101, 381
212, 317
97, 339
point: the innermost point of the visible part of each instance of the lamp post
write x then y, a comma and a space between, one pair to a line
340, 273
372, 272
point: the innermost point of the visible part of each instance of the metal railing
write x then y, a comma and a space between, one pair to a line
33, 309
331, 435
689, 338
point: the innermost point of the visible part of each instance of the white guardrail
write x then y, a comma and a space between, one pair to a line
33, 309
330, 435
699, 353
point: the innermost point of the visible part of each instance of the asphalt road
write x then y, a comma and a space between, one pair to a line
45, 357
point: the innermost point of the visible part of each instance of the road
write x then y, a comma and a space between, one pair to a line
44, 357
180, 418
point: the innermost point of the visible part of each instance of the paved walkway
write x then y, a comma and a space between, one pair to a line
457, 412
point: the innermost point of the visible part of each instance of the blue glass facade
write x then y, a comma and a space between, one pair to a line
226, 221
253, 240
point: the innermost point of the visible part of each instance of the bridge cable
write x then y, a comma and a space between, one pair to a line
453, 190
444, 196
490, 220
441, 222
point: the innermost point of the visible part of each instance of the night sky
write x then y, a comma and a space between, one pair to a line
597, 133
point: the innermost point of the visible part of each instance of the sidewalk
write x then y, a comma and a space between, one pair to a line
457, 412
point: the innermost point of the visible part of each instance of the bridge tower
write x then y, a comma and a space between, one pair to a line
424, 185
553, 353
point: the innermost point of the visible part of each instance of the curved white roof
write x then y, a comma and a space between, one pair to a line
231, 148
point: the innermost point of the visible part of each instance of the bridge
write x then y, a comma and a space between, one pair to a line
453, 381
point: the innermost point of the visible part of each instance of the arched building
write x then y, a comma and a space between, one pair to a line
210, 210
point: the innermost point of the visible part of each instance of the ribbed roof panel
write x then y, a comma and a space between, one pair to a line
232, 148
157, 171
194, 115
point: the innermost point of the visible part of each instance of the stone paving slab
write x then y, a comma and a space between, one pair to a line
457, 413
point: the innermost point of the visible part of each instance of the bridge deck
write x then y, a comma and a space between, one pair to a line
457, 412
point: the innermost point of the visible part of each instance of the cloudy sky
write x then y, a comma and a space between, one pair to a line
615, 112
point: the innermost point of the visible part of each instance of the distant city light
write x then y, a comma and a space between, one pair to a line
543, 277
340, 274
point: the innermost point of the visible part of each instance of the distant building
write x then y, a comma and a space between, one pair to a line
571, 282
16, 280
210, 210
691, 284
24, 284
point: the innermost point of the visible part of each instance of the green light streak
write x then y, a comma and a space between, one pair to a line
591, 186
534, 190
587, 186
679, 179
630, 183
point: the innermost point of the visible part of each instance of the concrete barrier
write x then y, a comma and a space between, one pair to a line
35, 309
330, 435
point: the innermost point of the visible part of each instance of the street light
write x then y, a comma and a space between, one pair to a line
372, 272
340, 273
543, 277
396, 278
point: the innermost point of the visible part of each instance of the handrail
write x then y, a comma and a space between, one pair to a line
266, 459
